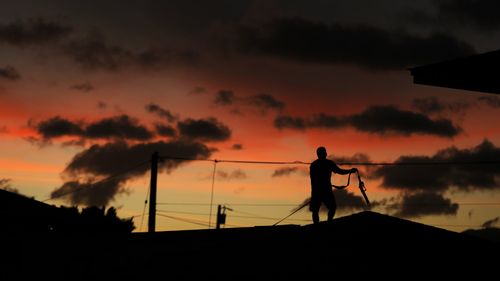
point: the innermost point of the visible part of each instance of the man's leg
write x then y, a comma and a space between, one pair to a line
314, 206
315, 216
332, 206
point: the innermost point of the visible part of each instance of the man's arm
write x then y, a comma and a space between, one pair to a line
336, 169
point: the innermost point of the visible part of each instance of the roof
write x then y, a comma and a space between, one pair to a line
472, 73
365, 244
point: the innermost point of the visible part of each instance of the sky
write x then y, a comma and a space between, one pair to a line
89, 90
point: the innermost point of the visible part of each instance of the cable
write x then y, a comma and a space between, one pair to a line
94, 183
212, 194
145, 204
339, 163
232, 204
183, 220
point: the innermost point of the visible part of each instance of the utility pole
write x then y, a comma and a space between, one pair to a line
152, 193
221, 215
221, 218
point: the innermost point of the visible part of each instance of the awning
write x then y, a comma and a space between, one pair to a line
473, 73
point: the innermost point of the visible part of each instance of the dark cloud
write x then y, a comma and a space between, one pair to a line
390, 119
236, 174
289, 122
415, 205
197, 91
9, 73
491, 223
466, 177
266, 102
57, 127
286, 171
346, 201
5, 184
478, 13
122, 127
84, 87
428, 105
262, 102
161, 112
492, 101
380, 120
432, 105
225, 97
32, 32
366, 46
93, 52
102, 161
102, 105
209, 129
165, 130
237, 146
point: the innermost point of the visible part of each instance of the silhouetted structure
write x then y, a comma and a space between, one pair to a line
364, 245
21, 214
320, 172
473, 73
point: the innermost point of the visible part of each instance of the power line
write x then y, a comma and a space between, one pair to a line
145, 204
232, 204
212, 194
415, 163
184, 220
92, 185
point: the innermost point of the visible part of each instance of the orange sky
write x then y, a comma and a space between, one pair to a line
344, 84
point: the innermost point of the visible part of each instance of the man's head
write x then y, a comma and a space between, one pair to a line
321, 152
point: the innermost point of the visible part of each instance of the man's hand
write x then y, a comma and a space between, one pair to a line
354, 170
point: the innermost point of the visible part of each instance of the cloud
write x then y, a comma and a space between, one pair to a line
165, 130
102, 105
33, 31
84, 87
366, 46
466, 177
286, 171
237, 146
3, 129
57, 127
289, 122
102, 161
225, 97
491, 101
93, 52
161, 112
120, 127
197, 91
346, 201
266, 102
236, 174
389, 119
416, 205
262, 102
432, 105
209, 129
380, 120
478, 13
491, 223
9, 73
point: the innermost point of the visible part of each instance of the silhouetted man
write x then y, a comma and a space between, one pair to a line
320, 172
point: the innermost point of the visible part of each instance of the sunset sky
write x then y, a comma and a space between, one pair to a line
90, 89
